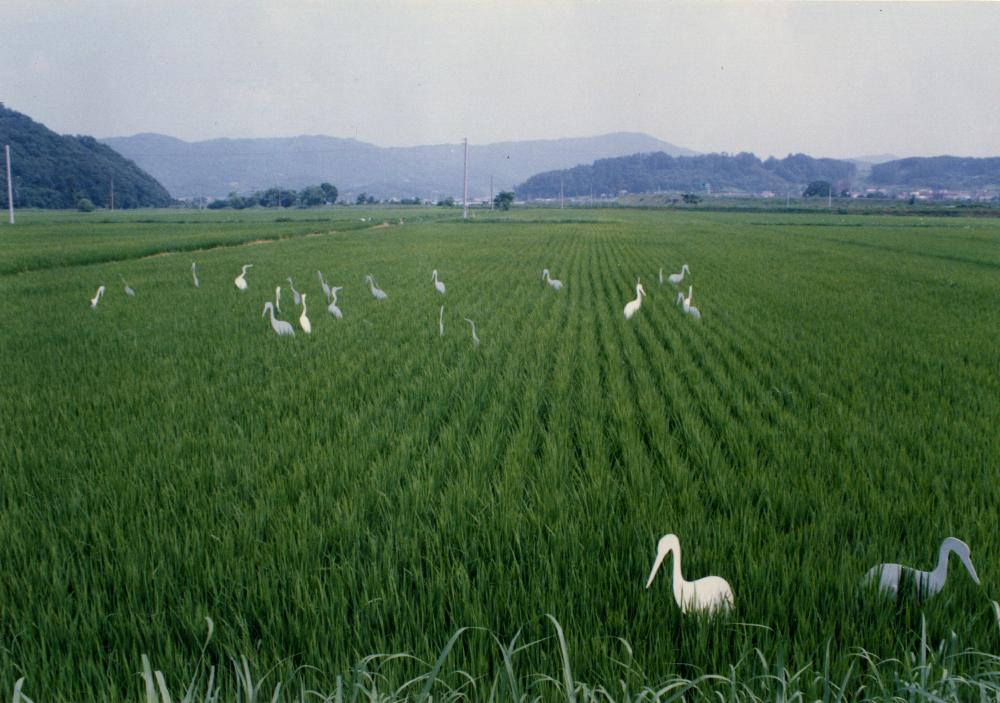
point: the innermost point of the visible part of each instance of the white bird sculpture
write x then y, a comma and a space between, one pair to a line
688, 307
241, 280
437, 284
441, 322
633, 305
280, 327
303, 320
332, 307
194, 274
661, 275
676, 278
891, 576
296, 297
475, 337
377, 292
97, 298
128, 289
277, 297
710, 593
680, 299
554, 282
324, 286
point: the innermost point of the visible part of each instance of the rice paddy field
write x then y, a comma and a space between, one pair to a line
178, 481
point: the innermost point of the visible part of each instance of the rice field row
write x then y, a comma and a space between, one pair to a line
373, 487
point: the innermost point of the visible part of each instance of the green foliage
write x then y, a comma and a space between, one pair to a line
84, 205
53, 171
373, 487
446, 202
817, 189
503, 200
691, 199
947, 172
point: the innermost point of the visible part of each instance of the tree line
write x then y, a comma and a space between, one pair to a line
310, 196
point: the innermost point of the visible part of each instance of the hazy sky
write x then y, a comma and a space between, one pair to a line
829, 79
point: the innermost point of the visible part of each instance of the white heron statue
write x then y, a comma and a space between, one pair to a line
194, 274
377, 292
688, 307
303, 320
661, 275
332, 307
928, 583
554, 282
437, 284
241, 280
676, 278
128, 289
711, 593
633, 305
277, 297
280, 327
296, 297
324, 286
97, 298
475, 337
441, 322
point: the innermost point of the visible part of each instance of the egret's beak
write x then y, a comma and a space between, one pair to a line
969, 567
656, 567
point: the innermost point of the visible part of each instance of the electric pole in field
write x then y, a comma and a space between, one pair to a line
561, 205
491, 192
465, 191
112, 200
10, 186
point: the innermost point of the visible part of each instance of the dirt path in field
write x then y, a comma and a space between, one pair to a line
234, 245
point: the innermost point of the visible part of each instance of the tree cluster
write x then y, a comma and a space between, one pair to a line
310, 196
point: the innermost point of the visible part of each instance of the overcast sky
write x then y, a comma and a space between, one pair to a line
829, 79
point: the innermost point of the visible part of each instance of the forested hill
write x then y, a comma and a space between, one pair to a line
56, 171
943, 172
645, 173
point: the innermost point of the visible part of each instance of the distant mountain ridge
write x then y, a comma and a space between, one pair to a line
646, 173
219, 166
57, 171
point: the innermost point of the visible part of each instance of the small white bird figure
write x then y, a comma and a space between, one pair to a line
303, 320
324, 286
97, 298
554, 282
710, 593
475, 337
676, 278
241, 280
280, 327
377, 292
633, 305
680, 299
296, 297
661, 275
437, 284
928, 583
441, 322
332, 307
277, 297
194, 274
688, 307
128, 289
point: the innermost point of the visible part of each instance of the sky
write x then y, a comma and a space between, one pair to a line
829, 79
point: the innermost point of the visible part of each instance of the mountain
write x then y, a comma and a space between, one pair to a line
54, 171
220, 166
938, 172
647, 173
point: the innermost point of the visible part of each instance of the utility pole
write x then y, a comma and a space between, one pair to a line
829, 196
561, 205
112, 201
491, 192
465, 192
10, 186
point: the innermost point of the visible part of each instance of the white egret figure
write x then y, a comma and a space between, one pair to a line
633, 305
475, 337
296, 296
324, 286
689, 309
241, 280
437, 284
97, 298
710, 593
194, 274
441, 322
377, 292
554, 282
676, 278
332, 307
277, 297
661, 275
928, 583
128, 289
280, 327
680, 299
303, 320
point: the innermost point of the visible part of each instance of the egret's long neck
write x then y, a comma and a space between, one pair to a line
678, 579
941, 570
